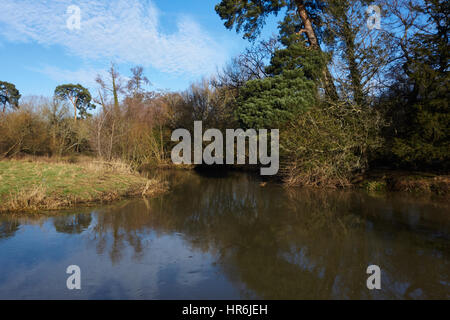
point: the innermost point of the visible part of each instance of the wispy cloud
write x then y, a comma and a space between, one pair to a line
126, 31
85, 76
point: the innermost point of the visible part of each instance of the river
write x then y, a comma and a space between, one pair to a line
228, 237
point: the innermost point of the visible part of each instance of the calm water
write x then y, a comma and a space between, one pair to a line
229, 238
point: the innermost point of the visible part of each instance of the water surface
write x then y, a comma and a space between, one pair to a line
229, 238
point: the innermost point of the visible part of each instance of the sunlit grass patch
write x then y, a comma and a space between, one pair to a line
34, 185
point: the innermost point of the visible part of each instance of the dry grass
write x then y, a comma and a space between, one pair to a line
412, 182
28, 185
314, 176
419, 184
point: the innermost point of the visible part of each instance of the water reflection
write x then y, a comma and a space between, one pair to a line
72, 224
268, 243
8, 228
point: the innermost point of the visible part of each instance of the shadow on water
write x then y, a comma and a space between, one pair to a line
254, 242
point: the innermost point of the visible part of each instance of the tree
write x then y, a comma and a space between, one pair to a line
422, 138
361, 55
290, 88
137, 82
79, 97
9, 95
249, 65
302, 19
113, 86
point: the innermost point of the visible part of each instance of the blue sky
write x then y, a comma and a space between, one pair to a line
176, 41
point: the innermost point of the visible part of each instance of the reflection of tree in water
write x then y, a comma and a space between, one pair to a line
72, 224
282, 244
118, 228
123, 226
306, 244
8, 228
277, 251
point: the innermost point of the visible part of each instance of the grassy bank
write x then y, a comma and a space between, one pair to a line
412, 182
30, 185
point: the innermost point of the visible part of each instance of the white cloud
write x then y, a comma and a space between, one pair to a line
84, 76
126, 31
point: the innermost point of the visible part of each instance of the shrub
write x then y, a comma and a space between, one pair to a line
23, 132
328, 145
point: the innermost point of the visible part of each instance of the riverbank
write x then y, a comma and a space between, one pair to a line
32, 185
379, 180
404, 181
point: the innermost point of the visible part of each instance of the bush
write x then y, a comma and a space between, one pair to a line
42, 127
328, 145
23, 132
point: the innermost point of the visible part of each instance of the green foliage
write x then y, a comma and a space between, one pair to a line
9, 95
375, 186
270, 102
301, 24
422, 140
298, 56
248, 15
79, 97
291, 89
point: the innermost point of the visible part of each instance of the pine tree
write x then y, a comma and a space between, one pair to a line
291, 88
301, 18
79, 97
9, 95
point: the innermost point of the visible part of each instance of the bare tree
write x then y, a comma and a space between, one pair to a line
249, 65
137, 82
113, 86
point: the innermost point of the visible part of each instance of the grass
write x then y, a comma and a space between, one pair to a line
412, 182
375, 186
30, 185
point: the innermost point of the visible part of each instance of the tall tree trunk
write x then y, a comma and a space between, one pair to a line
116, 97
74, 103
330, 88
307, 23
355, 74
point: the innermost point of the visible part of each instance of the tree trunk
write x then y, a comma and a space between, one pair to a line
330, 88
307, 23
74, 103
355, 75
115, 95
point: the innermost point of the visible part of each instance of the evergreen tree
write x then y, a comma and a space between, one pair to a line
423, 134
302, 19
290, 89
79, 97
9, 95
